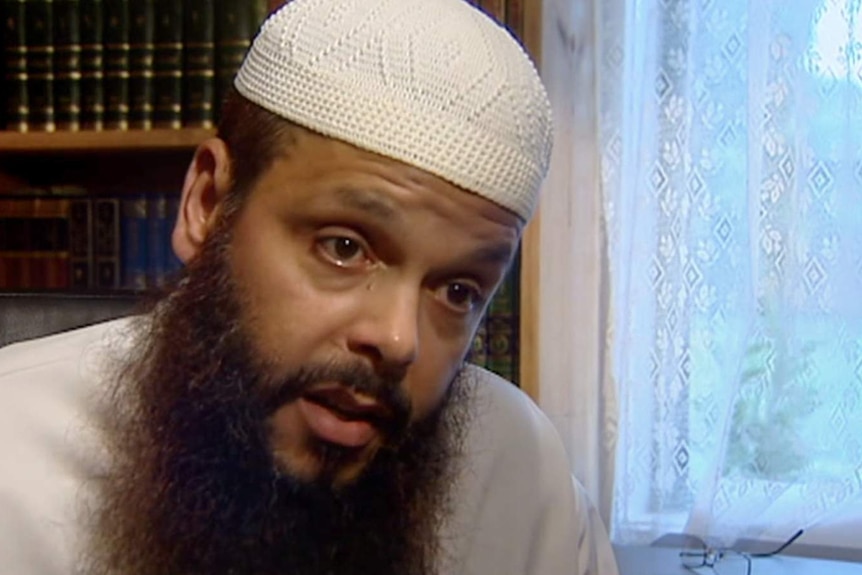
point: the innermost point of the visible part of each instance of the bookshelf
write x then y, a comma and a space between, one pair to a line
136, 174
96, 133
89, 142
110, 161
139, 162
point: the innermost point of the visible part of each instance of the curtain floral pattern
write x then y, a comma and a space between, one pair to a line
730, 142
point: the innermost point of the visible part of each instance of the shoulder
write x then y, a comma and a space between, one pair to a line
507, 420
47, 452
43, 380
19, 359
48, 387
514, 508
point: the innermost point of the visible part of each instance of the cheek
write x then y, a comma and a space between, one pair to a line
289, 317
277, 304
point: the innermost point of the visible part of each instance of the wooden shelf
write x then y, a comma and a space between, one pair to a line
135, 161
105, 141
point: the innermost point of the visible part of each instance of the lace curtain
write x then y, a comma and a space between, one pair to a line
728, 146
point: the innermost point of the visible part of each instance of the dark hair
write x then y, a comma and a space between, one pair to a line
254, 138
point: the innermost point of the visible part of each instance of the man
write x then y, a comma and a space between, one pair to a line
298, 402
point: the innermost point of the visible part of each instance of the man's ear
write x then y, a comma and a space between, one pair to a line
208, 180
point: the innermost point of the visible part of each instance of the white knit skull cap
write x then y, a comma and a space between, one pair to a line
436, 84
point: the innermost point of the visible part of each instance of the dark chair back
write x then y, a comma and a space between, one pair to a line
29, 315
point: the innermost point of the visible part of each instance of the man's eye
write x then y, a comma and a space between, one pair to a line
462, 297
343, 251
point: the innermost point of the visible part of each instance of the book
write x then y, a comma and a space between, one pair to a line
67, 65
116, 63
39, 34
503, 327
81, 243
34, 242
159, 237
141, 48
64, 237
49, 254
92, 64
168, 64
259, 12
501, 349
134, 243
198, 63
233, 29
15, 242
106, 242
478, 354
16, 112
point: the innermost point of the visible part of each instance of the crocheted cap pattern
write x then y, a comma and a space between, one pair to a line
436, 84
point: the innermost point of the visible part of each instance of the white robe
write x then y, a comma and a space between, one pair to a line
517, 509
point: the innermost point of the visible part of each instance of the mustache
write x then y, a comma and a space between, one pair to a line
383, 387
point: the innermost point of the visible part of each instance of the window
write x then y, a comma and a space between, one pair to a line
731, 134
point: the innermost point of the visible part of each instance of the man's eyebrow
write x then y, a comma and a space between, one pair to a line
378, 205
500, 253
369, 201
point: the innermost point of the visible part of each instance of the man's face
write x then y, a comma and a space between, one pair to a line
286, 409
344, 258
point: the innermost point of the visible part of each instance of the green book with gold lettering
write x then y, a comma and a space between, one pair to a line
233, 24
67, 65
478, 354
116, 74
259, 12
141, 48
90, 21
199, 63
502, 324
39, 30
168, 65
13, 88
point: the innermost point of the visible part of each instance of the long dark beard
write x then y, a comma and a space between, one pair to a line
193, 487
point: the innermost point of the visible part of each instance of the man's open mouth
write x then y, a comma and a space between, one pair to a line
348, 406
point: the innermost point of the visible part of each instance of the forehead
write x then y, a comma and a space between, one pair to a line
314, 171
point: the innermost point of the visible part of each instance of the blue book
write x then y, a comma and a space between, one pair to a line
133, 226
159, 238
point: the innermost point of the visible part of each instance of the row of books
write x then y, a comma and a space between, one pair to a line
120, 64
495, 345
62, 241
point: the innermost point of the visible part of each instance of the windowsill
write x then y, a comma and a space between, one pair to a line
834, 535
797, 549
648, 560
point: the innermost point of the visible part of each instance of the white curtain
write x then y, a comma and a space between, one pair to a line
718, 319
576, 388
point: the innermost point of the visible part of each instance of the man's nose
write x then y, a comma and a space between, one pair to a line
386, 328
